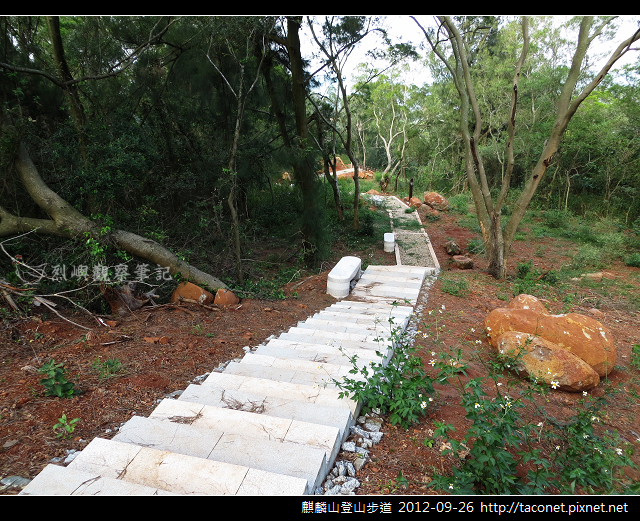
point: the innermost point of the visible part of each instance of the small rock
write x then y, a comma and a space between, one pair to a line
359, 432
9, 444
366, 443
341, 468
349, 446
372, 427
334, 491
13, 481
328, 485
363, 452
350, 485
71, 455
340, 480
200, 378
351, 471
452, 248
359, 463
175, 394
375, 437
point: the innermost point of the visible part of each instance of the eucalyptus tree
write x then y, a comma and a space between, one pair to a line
456, 50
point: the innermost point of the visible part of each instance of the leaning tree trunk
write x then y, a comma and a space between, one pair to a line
68, 222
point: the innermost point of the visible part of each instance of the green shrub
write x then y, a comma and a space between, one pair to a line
633, 260
459, 203
401, 388
56, 383
588, 256
556, 219
457, 288
476, 246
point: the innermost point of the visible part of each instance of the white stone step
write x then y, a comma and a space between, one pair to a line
291, 391
336, 326
282, 374
322, 369
383, 323
338, 417
317, 352
253, 425
368, 307
340, 341
55, 480
313, 334
179, 473
289, 459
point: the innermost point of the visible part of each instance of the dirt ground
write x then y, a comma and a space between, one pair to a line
163, 349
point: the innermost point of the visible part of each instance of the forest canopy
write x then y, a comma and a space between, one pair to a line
167, 139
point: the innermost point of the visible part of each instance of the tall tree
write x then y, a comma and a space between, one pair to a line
64, 220
460, 63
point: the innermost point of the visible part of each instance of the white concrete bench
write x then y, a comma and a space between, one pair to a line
340, 277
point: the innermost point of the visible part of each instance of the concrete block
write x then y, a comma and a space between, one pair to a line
340, 277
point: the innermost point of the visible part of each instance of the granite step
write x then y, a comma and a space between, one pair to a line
339, 417
289, 459
178, 473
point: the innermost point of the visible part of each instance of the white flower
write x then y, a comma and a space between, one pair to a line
477, 405
432, 362
430, 399
473, 330
557, 447
584, 393
499, 384
594, 419
419, 396
423, 405
540, 424
433, 353
451, 486
478, 341
555, 384
619, 451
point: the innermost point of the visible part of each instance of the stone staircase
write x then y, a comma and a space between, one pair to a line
271, 424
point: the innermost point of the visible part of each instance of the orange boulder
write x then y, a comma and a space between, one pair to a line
435, 200
187, 290
224, 297
548, 362
583, 336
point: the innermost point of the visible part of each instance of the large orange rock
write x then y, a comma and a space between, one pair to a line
224, 297
187, 290
435, 200
546, 361
427, 213
415, 202
583, 336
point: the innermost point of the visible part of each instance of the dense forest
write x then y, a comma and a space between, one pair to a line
166, 140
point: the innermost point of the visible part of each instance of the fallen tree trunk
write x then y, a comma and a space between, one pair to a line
68, 222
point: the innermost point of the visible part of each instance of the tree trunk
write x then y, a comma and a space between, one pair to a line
68, 222
304, 172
